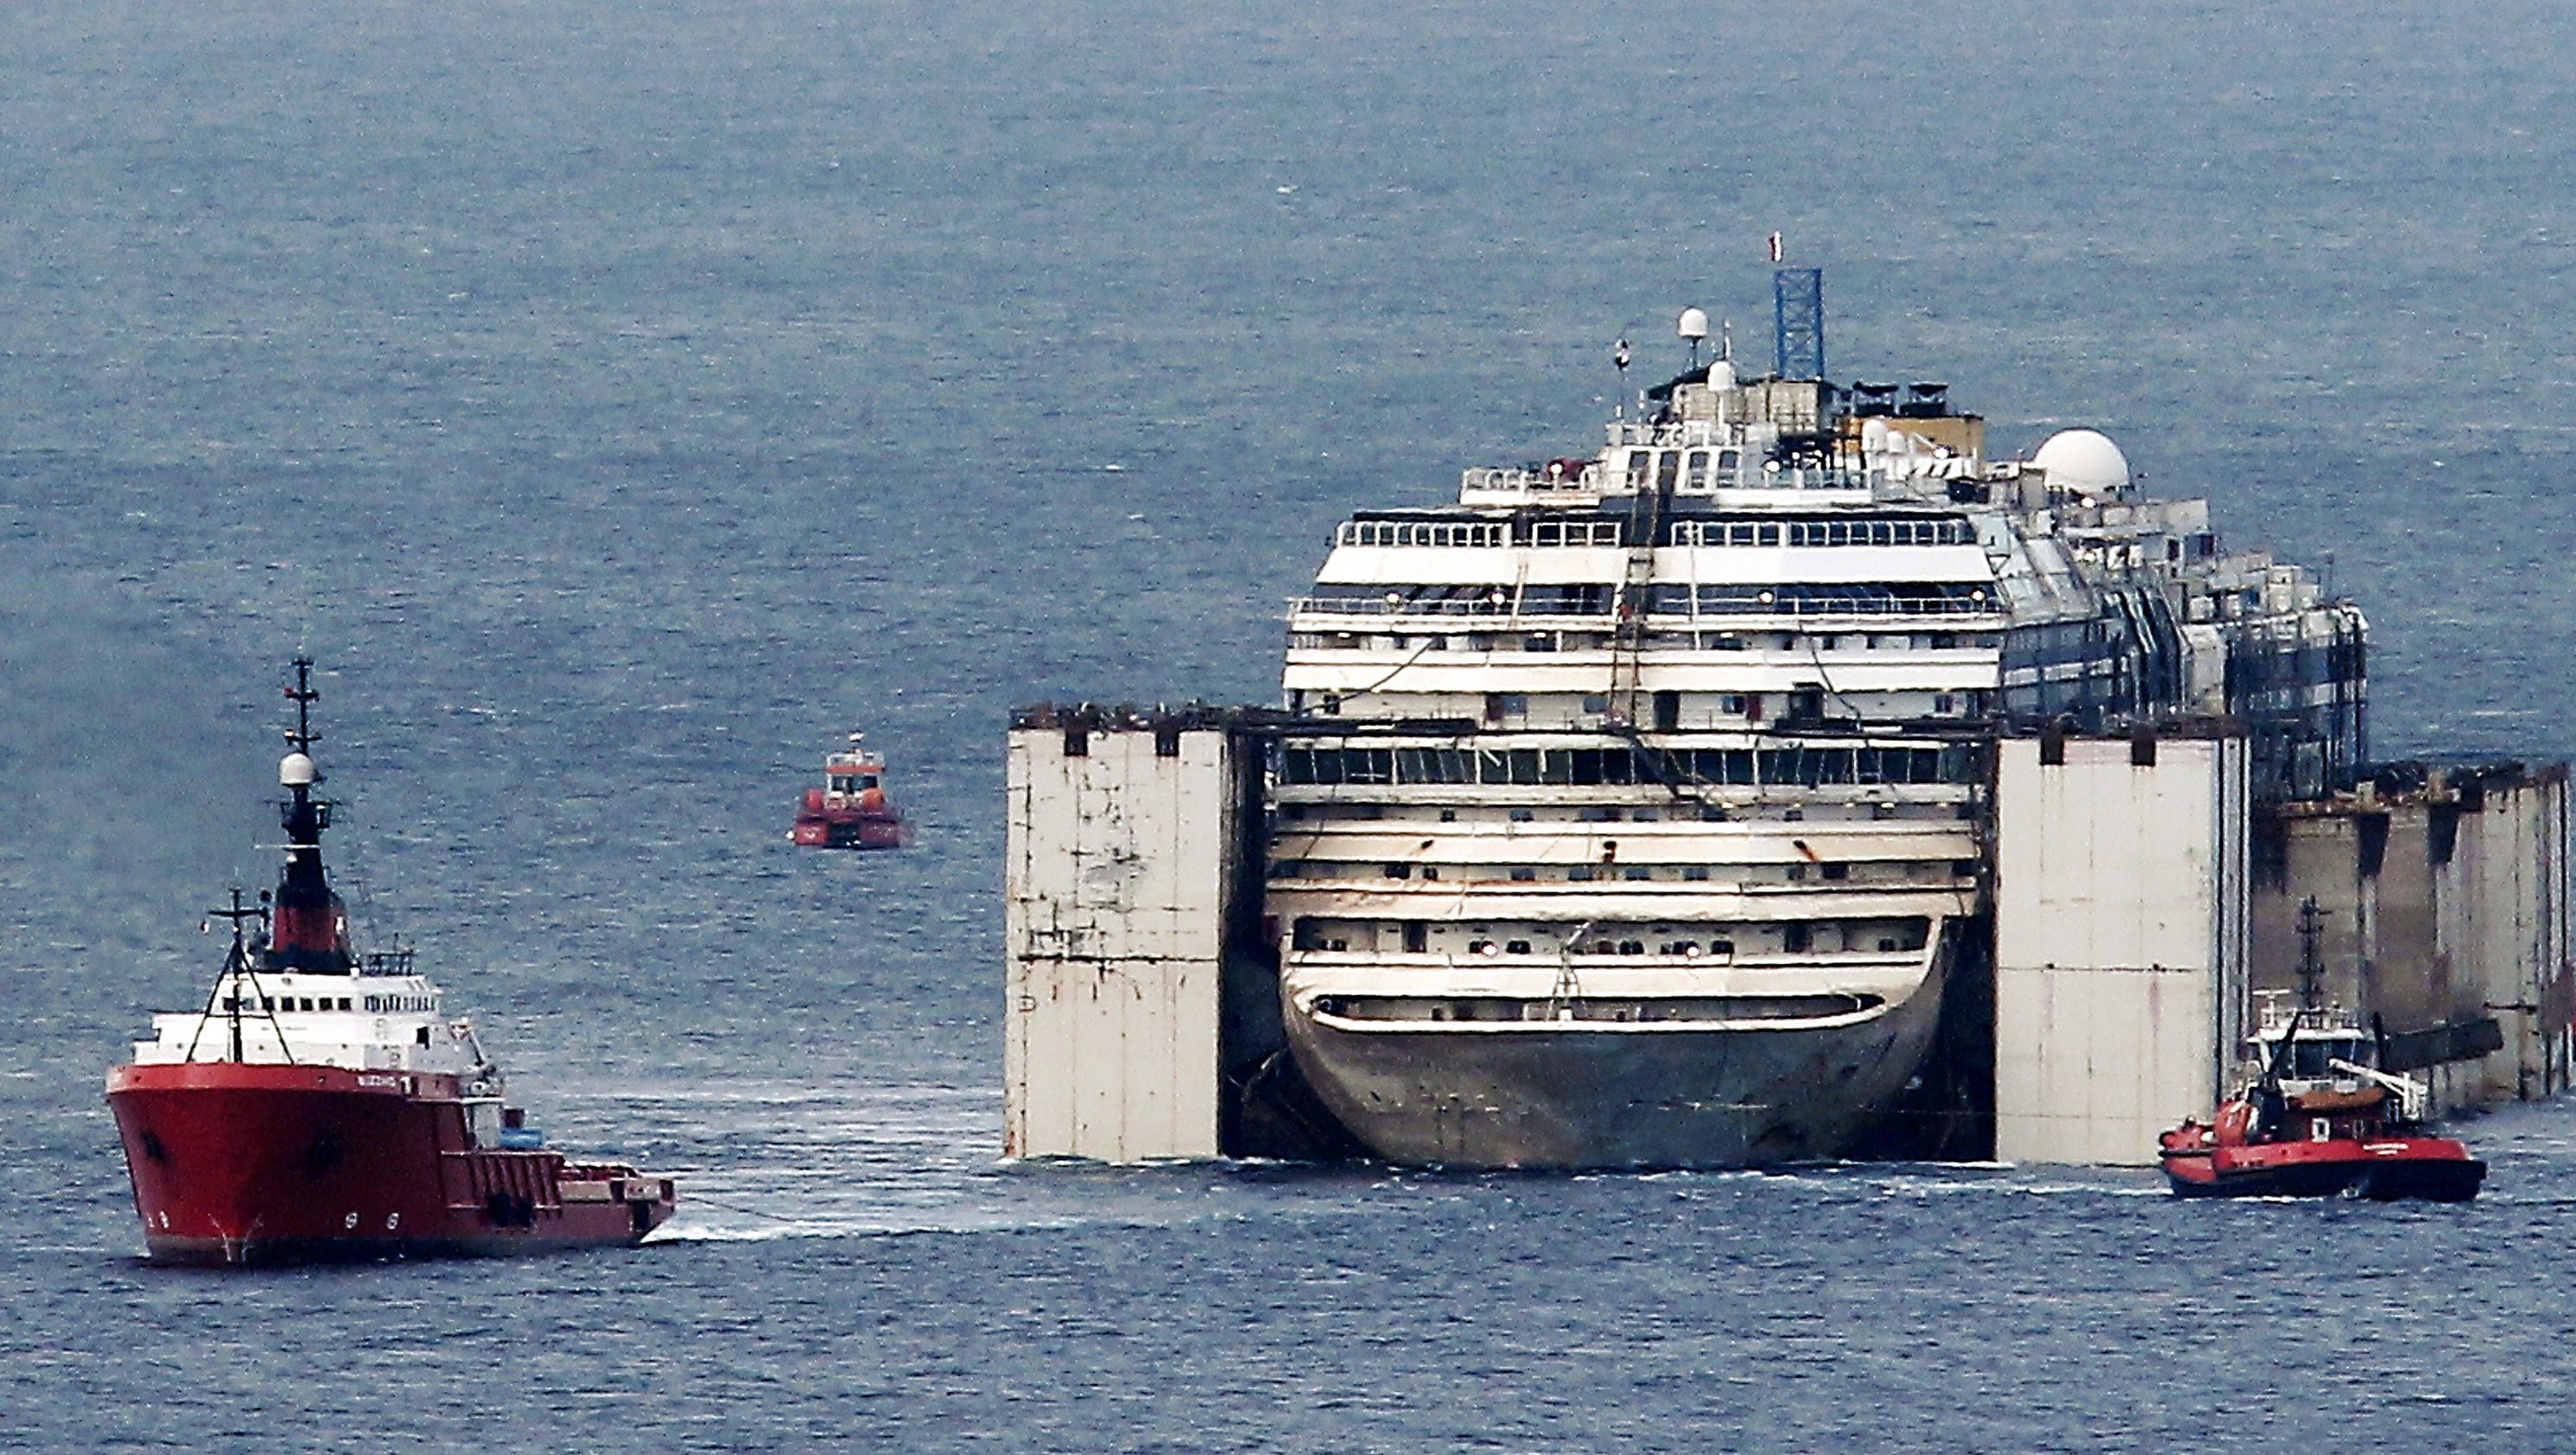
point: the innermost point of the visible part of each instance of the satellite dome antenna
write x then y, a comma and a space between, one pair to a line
1693, 325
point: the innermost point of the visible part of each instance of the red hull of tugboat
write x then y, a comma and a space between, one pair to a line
2383, 1169
851, 830
237, 1163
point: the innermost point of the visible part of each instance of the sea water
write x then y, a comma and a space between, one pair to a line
622, 403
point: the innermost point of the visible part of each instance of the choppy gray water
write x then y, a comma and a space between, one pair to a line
624, 401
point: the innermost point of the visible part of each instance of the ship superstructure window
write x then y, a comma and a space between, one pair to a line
1726, 533
1899, 531
1828, 598
1584, 599
1410, 599
1587, 767
1879, 532
1758, 938
1574, 533
1423, 533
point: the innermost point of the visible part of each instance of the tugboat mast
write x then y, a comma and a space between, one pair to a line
228, 986
304, 929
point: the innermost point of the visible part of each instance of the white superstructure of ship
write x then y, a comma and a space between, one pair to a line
1633, 810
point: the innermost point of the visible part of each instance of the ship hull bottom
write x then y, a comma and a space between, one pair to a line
236, 1164
2427, 1169
218, 1252
1572, 1100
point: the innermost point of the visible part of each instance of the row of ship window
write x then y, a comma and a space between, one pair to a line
1687, 470
376, 1004
1595, 947
1948, 531
1600, 598
1657, 639
1591, 873
1794, 940
273, 1003
1602, 531
1811, 767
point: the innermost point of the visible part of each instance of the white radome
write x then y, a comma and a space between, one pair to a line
1693, 324
295, 770
2083, 460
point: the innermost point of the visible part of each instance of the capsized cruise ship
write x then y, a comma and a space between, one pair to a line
1633, 808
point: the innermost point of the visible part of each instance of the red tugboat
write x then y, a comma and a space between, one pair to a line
2320, 1121
322, 1107
850, 810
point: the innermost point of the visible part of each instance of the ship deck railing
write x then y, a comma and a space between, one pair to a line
1520, 481
1734, 614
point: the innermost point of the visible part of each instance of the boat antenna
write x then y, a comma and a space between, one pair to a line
303, 696
236, 965
1619, 356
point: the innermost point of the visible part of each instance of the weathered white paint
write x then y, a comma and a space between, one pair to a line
2120, 902
1117, 868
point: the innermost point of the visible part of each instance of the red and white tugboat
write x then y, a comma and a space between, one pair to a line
2319, 1121
323, 1107
850, 810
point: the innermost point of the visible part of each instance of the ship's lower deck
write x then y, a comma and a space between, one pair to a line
1664, 1065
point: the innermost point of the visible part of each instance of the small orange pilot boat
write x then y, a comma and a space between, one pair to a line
851, 810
